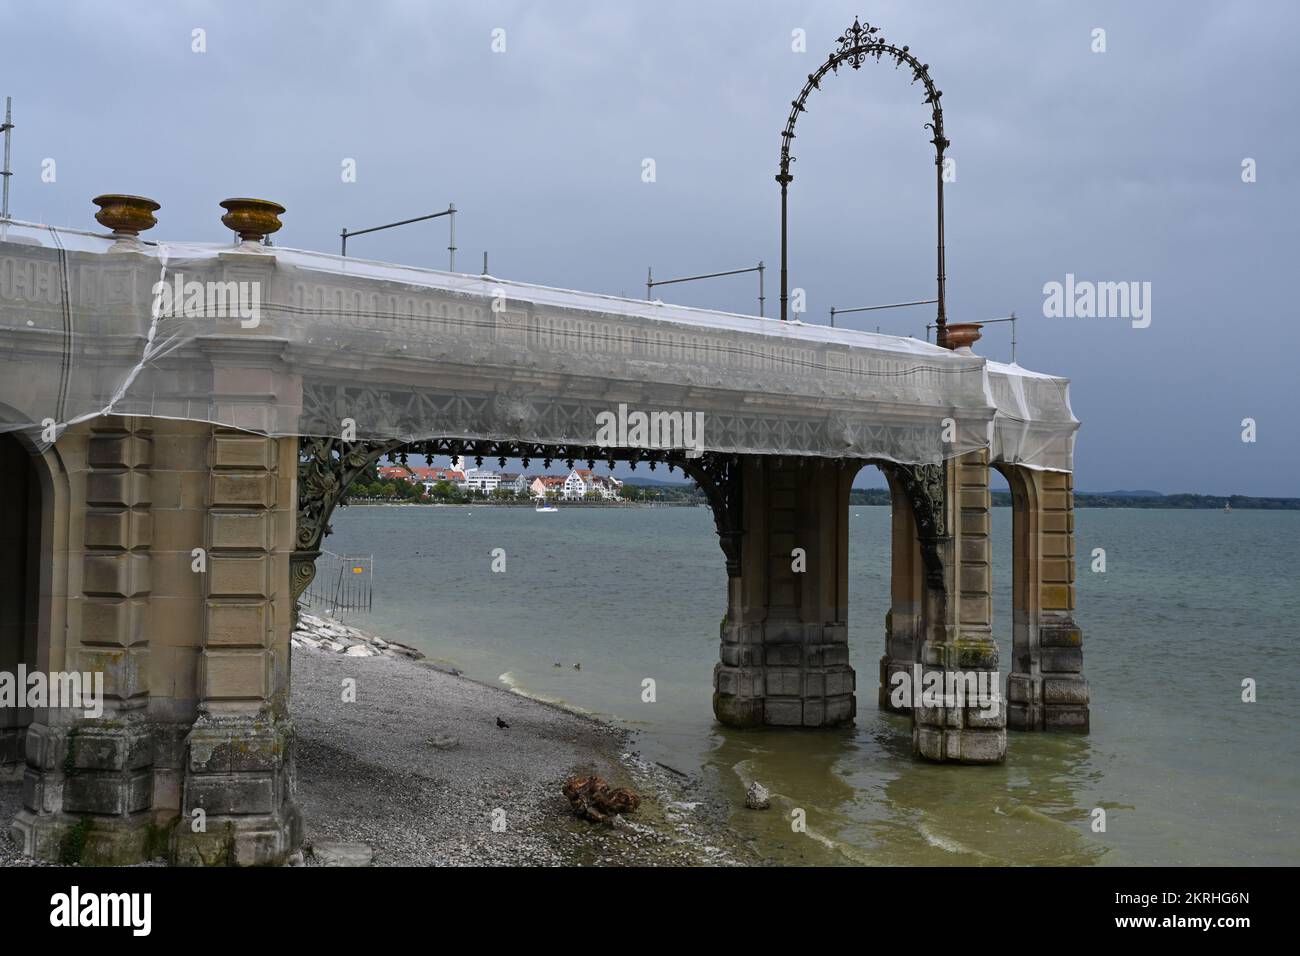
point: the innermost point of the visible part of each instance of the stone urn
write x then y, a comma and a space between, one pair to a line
253, 219
960, 336
127, 216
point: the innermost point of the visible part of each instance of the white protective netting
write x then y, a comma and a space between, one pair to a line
287, 342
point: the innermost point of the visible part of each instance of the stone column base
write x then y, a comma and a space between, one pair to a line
784, 675
1048, 702
961, 734
87, 793
87, 840
899, 656
1057, 698
888, 668
239, 773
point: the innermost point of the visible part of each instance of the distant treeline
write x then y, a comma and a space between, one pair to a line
1002, 499
1084, 500
675, 493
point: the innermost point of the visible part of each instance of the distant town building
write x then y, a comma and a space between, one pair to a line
577, 484
607, 486
479, 480
428, 477
546, 486
582, 482
513, 481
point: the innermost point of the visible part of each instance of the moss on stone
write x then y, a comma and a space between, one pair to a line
70, 754
158, 838
72, 844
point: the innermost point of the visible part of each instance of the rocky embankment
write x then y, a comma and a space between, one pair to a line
324, 634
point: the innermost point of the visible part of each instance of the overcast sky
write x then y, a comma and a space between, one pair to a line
1117, 166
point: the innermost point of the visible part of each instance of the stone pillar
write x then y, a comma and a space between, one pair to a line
784, 652
181, 483
91, 778
958, 620
1046, 689
906, 587
239, 761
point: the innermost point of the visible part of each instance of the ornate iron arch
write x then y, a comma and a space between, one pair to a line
327, 467
856, 45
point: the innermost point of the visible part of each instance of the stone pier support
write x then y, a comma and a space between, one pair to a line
957, 618
1046, 689
239, 754
784, 652
163, 569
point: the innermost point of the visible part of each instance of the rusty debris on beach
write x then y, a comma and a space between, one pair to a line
594, 800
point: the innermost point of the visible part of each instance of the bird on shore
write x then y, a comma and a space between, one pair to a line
501, 723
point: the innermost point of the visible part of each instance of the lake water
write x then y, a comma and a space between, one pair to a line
1191, 603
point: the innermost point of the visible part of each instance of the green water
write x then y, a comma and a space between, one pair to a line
1191, 603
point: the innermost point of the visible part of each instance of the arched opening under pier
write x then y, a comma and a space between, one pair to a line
20, 570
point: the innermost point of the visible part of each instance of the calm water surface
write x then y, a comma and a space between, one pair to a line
1190, 604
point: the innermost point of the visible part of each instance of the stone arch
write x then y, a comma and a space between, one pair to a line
35, 496
903, 621
1025, 557
33, 572
327, 467
1046, 689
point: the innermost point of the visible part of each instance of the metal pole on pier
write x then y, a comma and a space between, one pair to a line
6, 173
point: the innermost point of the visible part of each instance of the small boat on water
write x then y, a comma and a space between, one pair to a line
1227, 509
543, 506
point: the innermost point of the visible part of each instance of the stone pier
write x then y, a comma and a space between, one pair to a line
785, 653
1046, 689
956, 635
167, 556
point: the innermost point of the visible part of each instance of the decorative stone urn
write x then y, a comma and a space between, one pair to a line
127, 216
961, 336
253, 219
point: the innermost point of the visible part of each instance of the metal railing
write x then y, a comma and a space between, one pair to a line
451, 242
874, 308
651, 281
342, 583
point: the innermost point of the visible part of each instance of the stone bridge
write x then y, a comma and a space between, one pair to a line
178, 422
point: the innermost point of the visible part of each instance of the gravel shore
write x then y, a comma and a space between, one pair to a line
416, 768
11, 801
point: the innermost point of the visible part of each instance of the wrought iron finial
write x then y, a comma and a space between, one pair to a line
852, 49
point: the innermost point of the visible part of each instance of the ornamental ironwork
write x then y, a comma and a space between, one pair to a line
327, 467
858, 44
